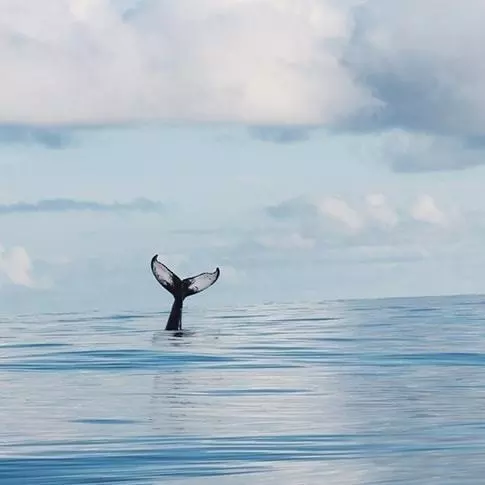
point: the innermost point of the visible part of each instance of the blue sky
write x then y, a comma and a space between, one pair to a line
312, 149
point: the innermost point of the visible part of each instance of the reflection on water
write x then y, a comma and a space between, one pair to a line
368, 392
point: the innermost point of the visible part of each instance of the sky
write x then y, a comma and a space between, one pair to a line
311, 149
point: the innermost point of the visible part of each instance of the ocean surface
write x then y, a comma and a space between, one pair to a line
333, 393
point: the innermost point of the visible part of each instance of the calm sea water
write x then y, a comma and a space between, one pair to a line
340, 393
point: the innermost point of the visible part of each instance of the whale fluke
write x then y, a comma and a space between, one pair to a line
180, 289
201, 282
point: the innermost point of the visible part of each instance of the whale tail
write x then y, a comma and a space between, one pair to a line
181, 288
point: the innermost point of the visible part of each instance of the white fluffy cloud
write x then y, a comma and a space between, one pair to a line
16, 265
339, 210
249, 61
281, 62
371, 219
425, 210
410, 69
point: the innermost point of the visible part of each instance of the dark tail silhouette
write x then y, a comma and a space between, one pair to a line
180, 289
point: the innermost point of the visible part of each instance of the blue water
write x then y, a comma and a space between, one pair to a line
337, 393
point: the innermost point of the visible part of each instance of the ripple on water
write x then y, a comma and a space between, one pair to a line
355, 393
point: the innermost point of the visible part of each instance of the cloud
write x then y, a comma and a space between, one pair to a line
370, 220
374, 244
335, 214
427, 77
339, 210
80, 62
425, 210
281, 134
379, 209
298, 207
32, 135
293, 240
423, 152
69, 205
427, 74
16, 265
426, 80
280, 67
